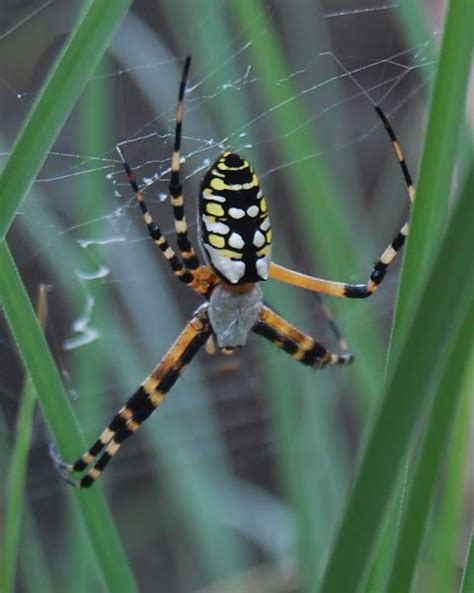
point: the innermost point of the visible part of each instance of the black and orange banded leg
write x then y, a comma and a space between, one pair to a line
357, 291
298, 345
176, 187
141, 404
200, 279
154, 230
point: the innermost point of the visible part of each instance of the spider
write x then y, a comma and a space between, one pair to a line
236, 236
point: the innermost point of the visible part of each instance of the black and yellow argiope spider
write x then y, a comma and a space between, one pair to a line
235, 233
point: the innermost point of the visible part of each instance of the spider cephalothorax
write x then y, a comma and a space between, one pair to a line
236, 236
233, 312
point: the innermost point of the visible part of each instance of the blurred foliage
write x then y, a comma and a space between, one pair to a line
240, 480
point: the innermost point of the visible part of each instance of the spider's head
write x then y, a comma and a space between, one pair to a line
235, 227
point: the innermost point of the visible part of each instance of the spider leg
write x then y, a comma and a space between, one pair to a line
357, 291
176, 187
199, 278
301, 347
154, 230
141, 404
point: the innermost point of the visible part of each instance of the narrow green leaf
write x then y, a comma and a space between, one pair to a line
436, 321
383, 555
467, 585
73, 69
439, 153
15, 482
413, 19
32, 559
418, 499
57, 412
31, 553
448, 522
15, 491
435, 313
93, 135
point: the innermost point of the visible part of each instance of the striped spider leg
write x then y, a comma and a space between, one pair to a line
189, 271
141, 404
298, 345
356, 291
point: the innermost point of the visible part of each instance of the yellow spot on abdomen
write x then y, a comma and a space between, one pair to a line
217, 183
263, 205
216, 241
269, 236
264, 251
214, 209
230, 254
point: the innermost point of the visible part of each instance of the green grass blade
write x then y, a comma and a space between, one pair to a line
383, 556
418, 499
399, 413
467, 585
436, 321
15, 482
55, 405
32, 561
439, 153
414, 25
449, 519
414, 19
73, 69
32, 554
15, 491
93, 135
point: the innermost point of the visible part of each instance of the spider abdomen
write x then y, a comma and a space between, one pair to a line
235, 227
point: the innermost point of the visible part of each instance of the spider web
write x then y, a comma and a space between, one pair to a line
113, 293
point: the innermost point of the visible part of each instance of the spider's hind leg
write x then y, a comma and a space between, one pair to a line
138, 408
298, 345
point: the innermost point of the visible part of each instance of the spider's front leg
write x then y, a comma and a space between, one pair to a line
143, 402
357, 291
298, 345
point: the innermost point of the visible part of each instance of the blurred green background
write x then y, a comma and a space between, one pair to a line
240, 479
